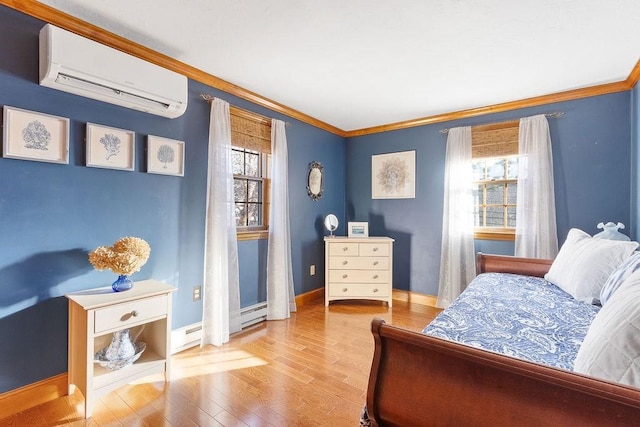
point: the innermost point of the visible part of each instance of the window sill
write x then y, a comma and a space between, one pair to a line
252, 235
495, 234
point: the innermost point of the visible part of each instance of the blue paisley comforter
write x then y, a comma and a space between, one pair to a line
518, 316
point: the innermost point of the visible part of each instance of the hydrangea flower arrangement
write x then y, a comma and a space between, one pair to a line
124, 258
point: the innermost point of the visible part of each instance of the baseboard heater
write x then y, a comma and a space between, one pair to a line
253, 314
190, 336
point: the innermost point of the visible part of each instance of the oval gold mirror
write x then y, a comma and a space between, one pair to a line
314, 181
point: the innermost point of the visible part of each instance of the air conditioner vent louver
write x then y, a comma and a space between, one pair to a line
83, 67
103, 90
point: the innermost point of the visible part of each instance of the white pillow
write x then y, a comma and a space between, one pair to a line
611, 348
584, 264
618, 277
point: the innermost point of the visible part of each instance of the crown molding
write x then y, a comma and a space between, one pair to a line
634, 76
70, 23
498, 108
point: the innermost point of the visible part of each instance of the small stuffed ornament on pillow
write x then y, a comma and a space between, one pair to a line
610, 231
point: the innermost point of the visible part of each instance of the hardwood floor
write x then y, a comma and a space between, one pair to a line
309, 370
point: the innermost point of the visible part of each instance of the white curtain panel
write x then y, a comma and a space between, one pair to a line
280, 292
457, 263
221, 293
536, 234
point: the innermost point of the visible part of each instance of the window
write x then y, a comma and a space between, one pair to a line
248, 187
251, 151
495, 175
495, 191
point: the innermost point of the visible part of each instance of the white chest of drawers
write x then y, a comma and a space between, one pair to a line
95, 314
358, 268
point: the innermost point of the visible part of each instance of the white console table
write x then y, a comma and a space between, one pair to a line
93, 317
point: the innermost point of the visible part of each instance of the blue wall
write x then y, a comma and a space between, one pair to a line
592, 168
51, 215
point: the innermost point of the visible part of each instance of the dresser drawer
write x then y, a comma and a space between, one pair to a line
348, 249
358, 290
120, 316
359, 263
374, 249
358, 276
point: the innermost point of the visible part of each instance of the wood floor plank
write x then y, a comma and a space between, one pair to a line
309, 370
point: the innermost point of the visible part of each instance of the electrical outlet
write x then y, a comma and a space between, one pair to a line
196, 293
312, 270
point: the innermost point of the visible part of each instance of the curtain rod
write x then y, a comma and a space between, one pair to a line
210, 98
551, 115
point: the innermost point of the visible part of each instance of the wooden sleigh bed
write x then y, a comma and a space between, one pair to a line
419, 380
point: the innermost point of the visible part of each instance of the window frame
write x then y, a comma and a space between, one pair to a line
487, 140
254, 138
247, 231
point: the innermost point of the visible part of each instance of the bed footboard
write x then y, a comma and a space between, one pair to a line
419, 380
511, 264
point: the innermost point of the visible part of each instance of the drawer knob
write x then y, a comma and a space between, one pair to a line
375, 276
345, 262
344, 276
346, 248
375, 249
375, 262
344, 289
375, 290
134, 313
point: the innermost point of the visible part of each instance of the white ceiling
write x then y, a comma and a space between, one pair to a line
361, 63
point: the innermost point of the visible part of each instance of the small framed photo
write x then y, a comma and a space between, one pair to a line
358, 229
110, 148
165, 156
35, 136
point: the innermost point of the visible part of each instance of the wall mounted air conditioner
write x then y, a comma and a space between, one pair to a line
74, 64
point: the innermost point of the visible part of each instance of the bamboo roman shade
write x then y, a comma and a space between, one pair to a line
495, 140
250, 131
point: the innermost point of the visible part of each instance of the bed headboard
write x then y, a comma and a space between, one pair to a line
512, 264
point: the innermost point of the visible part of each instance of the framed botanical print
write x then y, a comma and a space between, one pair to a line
28, 135
165, 156
110, 148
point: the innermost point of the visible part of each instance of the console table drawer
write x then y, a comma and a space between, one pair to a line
130, 313
358, 290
